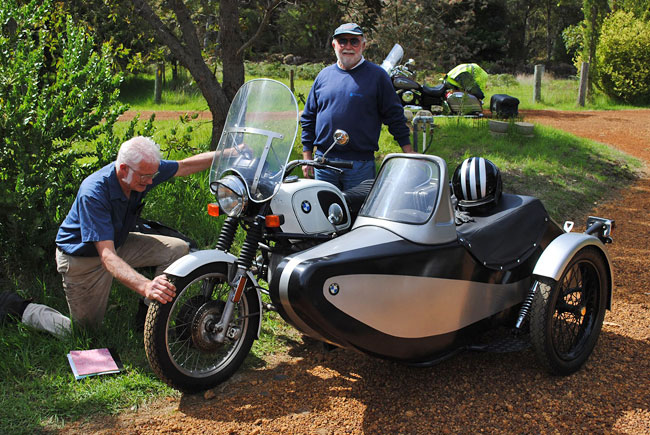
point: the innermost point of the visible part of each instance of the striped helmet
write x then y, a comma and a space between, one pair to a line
476, 182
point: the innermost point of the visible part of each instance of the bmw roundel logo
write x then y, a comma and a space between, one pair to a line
334, 289
306, 206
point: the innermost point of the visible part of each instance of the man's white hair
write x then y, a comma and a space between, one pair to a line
137, 149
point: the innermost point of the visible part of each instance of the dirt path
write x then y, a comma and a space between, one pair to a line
308, 392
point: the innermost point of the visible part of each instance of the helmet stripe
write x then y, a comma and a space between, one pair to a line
482, 177
472, 179
463, 178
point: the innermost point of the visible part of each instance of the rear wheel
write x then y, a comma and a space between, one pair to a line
567, 315
179, 339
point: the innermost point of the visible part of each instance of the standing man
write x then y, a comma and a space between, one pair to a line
95, 243
357, 96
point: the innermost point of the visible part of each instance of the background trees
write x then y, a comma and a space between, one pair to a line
212, 38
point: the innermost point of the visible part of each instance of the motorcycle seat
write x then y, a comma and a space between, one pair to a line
435, 91
507, 234
355, 196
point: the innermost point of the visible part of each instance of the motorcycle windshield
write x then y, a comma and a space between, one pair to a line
393, 58
257, 138
405, 191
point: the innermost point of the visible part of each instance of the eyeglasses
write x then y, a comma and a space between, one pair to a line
144, 177
353, 41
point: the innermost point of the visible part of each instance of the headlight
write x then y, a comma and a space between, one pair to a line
232, 196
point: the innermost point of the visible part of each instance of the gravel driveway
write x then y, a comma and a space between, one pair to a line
341, 392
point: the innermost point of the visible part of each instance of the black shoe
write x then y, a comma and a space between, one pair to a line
141, 315
12, 306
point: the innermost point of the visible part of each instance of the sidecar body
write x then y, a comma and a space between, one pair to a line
408, 283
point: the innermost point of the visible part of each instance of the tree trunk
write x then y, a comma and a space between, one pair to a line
230, 42
188, 52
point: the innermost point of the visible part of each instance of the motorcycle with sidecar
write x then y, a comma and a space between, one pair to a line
416, 278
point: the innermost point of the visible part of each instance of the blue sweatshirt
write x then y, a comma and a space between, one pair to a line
357, 101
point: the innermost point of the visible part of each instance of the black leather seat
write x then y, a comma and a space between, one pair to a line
508, 233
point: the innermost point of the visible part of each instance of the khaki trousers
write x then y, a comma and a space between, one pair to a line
87, 284
47, 319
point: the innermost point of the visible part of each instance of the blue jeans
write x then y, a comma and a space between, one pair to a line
349, 178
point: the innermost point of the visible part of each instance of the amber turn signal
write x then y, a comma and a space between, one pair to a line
213, 209
273, 221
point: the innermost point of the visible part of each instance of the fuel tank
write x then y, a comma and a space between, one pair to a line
405, 83
306, 205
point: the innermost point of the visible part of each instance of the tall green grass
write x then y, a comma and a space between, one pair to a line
37, 390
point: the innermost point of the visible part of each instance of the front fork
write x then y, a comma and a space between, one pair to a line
239, 277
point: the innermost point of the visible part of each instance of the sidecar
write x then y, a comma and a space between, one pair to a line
411, 282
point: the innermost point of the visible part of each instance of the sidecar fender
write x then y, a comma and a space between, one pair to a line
192, 261
558, 254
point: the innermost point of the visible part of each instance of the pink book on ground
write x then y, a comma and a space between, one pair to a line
93, 361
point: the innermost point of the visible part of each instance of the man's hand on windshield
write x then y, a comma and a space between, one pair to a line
241, 149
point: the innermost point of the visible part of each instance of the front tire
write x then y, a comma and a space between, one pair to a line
177, 336
567, 315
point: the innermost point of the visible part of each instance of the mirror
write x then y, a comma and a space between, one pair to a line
341, 137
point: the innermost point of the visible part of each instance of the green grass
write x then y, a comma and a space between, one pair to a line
38, 390
556, 94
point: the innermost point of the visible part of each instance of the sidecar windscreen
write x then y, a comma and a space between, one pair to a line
406, 191
258, 137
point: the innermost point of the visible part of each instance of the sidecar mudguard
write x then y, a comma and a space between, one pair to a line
556, 257
192, 261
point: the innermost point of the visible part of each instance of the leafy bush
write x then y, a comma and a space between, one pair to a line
59, 103
623, 58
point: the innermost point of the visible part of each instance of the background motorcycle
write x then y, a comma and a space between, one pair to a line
202, 336
451, 97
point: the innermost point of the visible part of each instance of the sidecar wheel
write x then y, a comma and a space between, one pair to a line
177, 339
567, 315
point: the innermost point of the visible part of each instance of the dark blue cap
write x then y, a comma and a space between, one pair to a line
348, 29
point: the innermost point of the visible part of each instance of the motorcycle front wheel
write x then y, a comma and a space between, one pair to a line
178, 338
567, 315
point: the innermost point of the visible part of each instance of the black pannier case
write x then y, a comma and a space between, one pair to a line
504, 106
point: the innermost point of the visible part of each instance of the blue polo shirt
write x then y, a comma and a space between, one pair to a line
101, 211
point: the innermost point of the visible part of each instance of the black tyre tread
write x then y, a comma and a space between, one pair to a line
157, 355
539, 314
542, 310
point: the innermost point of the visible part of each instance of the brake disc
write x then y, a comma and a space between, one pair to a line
206, 317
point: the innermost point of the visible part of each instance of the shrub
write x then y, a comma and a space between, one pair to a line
58, 98
623, 58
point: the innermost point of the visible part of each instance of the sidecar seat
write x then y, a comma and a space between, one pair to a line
508, 233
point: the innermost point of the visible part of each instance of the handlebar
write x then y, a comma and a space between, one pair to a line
336, 163
320, 163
